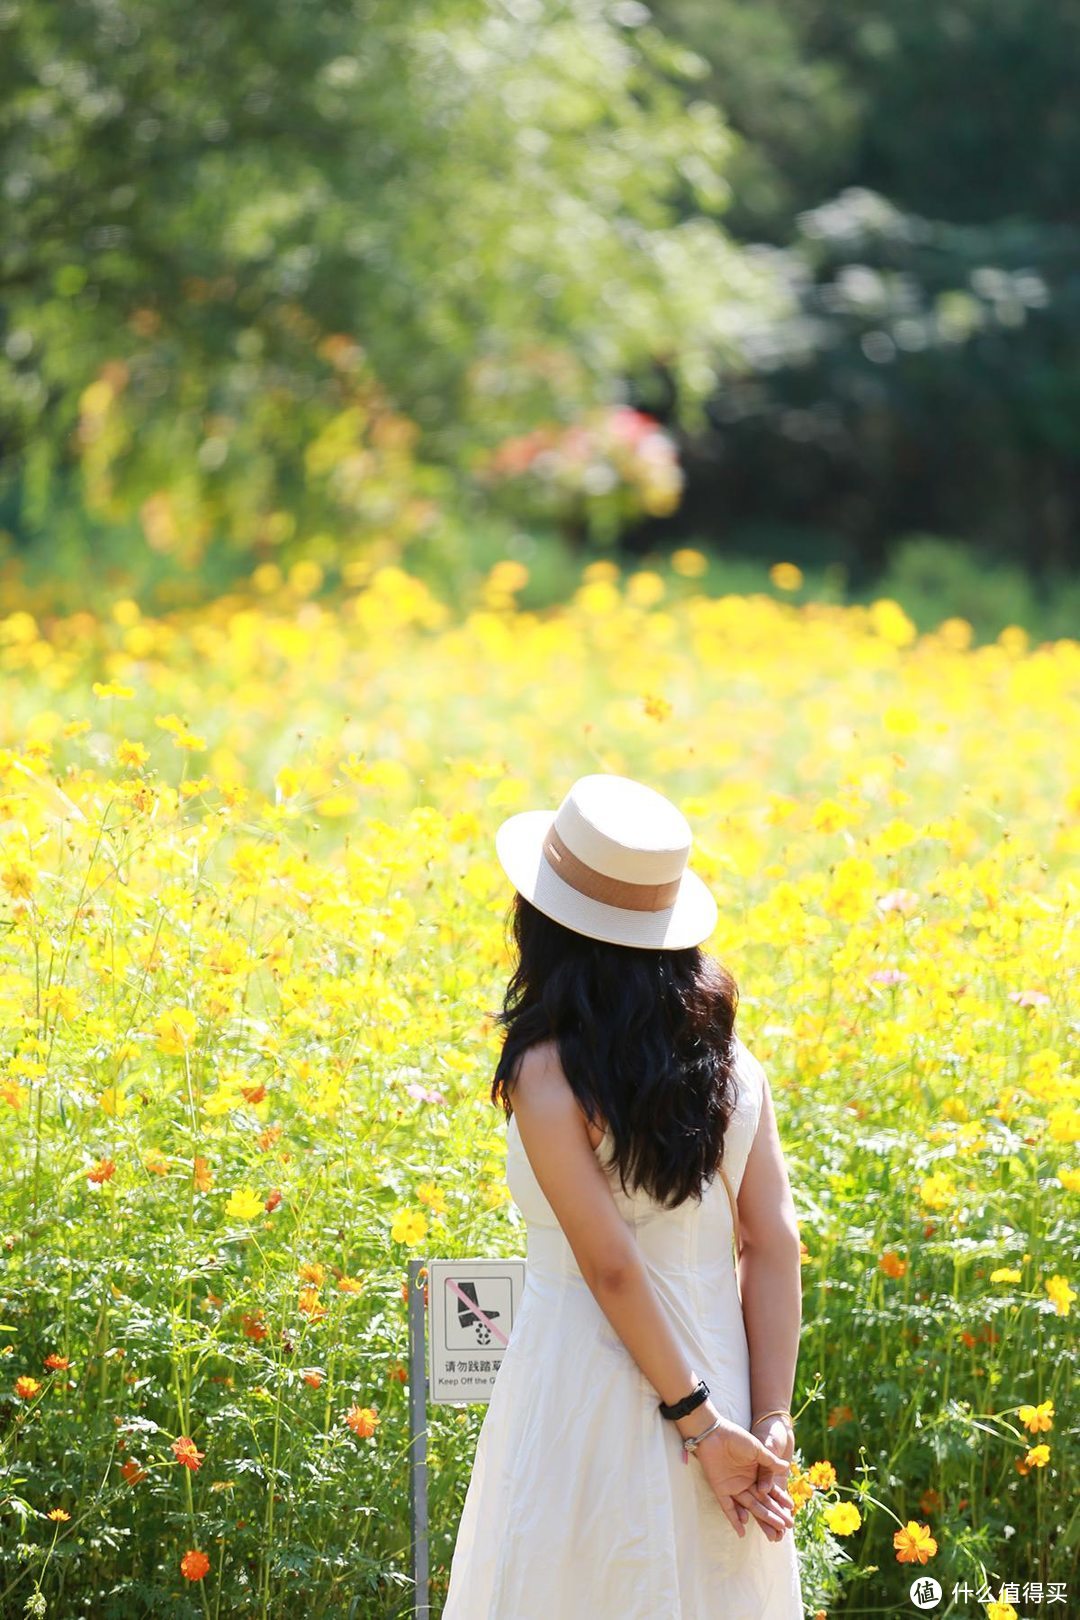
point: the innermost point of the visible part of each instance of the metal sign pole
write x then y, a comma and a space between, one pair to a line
418, 1504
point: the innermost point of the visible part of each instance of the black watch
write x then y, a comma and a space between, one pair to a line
688, 1404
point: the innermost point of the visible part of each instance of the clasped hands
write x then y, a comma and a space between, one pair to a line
746, 1469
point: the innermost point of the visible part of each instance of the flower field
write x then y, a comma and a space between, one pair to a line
251, 941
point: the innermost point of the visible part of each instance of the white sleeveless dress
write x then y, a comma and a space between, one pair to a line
579, 1505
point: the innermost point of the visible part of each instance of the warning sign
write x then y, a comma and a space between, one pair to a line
472, 1307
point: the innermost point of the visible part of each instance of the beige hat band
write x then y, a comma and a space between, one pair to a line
599, 886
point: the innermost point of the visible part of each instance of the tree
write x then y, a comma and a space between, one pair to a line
268, 269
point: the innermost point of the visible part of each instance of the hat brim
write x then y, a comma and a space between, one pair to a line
688, 921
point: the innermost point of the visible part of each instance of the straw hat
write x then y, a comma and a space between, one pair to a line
610, 862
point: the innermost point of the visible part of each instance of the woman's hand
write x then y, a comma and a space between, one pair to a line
734, 1462
779, 1438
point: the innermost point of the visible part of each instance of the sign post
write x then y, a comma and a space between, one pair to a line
418, 1514
471, 1308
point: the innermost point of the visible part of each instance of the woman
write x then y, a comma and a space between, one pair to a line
632, 1460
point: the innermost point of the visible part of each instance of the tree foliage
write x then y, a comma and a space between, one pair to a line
267, 268
917, 168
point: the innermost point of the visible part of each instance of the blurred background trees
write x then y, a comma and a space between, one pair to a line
353, 280
918, 168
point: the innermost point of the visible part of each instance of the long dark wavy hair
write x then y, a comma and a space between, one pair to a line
646, 1040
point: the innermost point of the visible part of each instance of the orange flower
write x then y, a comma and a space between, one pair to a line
59, 1515
194, 1565
273, 1200
798, 1487
892, 1264
57, 1363
312, 1377
350, 1285
202, 1177
101, 1171
362, 1420
253, 1326
132, 1472
311, 1271
184, 1451
253, 1094
310, 1305
267, 1138
914, 1544
26, 1387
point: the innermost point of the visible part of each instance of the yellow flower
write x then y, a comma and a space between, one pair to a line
842, 1518
1070, 1179
1059, 1291
174, 1030
891, 622
433, 1196
508, 575
1005, 1274
645, 587
113, 1101
131, 753
288, 782
1038, 1457
1063, 1125
409, 1226
937, 1191
689, 562
244, 1204
1001, 1611
822, 1475
18, 877
830, 816
223, 1100
1037, 1418
59, 1515
786, 576
64, 1001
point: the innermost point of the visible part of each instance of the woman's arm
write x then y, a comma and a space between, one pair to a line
556, 1142
553, 1134
770, 1275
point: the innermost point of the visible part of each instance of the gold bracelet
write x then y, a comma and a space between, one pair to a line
777, 1411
